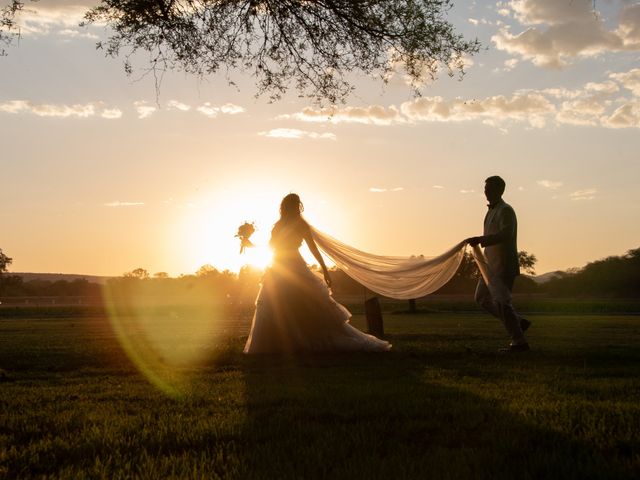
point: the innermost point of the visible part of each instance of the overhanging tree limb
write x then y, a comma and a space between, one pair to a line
315, 45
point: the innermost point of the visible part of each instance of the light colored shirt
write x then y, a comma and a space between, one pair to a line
500, 239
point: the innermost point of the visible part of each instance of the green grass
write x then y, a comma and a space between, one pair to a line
442, 404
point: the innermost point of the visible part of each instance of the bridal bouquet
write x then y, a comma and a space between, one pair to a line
244, 233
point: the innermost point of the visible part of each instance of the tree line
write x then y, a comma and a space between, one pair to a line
615, 276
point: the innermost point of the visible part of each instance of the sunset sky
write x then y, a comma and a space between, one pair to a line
100, 175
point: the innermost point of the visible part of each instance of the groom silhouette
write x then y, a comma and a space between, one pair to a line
499, 241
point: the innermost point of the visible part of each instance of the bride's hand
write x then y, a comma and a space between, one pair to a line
327, 279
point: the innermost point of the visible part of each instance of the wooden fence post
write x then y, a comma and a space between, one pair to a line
372, 311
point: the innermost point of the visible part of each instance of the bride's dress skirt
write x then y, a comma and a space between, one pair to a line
296, 313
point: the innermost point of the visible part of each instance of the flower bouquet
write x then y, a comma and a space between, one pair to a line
244, 233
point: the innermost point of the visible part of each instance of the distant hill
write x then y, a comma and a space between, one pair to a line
545, 277
54, 277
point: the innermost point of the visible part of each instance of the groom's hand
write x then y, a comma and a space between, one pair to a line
473, 241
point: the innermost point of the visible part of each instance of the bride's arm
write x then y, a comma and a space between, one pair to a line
316, 253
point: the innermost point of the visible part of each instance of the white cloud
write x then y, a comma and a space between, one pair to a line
382, 190
208, 110
625, 116
62, 20
69, 33
212, 111
465, 192
438, 187
111, 113
143, 109
585, 111
607, 87
294, 133
588, 194
371, 115
176, 105
629, 80
231, 109
559, 31
531, 107
596, 103
84, 110
550, 184
123, 204
510, 64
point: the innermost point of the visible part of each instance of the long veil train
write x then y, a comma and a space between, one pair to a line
402, 278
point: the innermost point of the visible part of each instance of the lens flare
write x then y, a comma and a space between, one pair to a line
165, 326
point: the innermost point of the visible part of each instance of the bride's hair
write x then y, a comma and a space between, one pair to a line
291, 206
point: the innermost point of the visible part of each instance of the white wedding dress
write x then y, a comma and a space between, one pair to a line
296, 312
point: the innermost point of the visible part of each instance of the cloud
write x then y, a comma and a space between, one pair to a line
111, 113
294, 133
123, 204
84, 110
371, 115
143, 109
560, 31
382, 190
610, 103
212, 111
231, 109
438, 187
550, 184
465, 192
625, 116
208, 110
629, 80
531, 107
176, 105
62, 20
510, 64
588, 194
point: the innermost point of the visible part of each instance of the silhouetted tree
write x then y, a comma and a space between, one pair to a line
4, 262
527, 262
161, 275
611, 276
139, 273
206, 270
315, 44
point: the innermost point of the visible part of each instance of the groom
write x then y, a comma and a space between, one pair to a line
499, 240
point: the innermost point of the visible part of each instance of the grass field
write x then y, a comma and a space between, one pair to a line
442, 404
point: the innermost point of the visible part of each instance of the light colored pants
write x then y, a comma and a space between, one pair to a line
502, 311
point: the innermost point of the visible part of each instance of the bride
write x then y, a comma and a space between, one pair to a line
295, 311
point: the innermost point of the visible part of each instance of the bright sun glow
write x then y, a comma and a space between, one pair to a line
211, 221
205, 231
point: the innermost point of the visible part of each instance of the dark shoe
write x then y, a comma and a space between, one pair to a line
523, 347
524, 324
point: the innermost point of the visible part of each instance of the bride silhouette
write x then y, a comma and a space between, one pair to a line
295, 311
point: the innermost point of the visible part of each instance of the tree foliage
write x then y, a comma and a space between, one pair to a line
9, 30
527, 262
612, 276
4, 261
139, 273
314, 45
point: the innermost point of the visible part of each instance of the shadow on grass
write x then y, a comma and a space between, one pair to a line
379, 416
